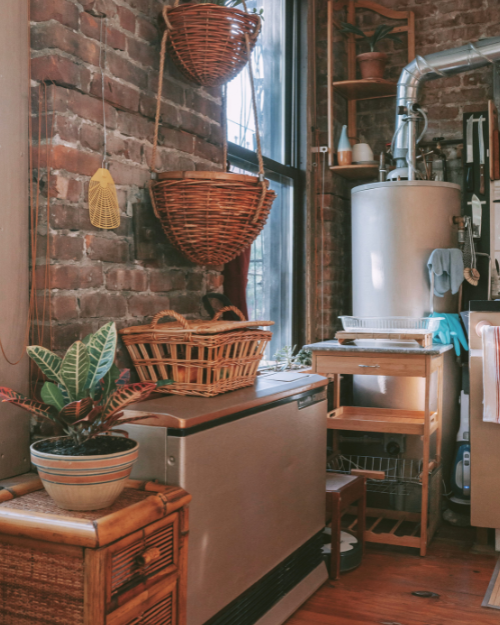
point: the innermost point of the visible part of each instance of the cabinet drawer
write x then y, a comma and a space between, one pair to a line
372, 364
156, 606
139, 560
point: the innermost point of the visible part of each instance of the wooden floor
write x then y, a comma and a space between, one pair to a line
380, 591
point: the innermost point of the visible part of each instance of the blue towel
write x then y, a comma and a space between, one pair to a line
448, 269
450, 331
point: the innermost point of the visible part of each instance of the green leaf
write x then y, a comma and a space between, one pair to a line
350, 28
109, 381
125, 396
51, 394
35, 407
101, 350
161, 383
87, 339
49, 363
75, 370
64, 393
380, 33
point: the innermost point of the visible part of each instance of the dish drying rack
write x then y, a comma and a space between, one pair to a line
389, 476
419, 329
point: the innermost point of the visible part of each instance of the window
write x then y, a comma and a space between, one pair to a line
275, 282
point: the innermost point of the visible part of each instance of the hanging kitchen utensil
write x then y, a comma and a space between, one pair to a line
469, 173
103, 201
207, 41
211, 217
477, 215
471, 274
481, 155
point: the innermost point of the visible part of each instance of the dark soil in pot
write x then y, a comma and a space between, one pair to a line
99, 446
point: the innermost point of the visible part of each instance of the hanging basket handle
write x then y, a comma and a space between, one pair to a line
169, 313
227, 309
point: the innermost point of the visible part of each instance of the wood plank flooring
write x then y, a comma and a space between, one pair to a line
379, 592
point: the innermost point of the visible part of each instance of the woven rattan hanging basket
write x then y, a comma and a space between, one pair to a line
211, 217
207, 41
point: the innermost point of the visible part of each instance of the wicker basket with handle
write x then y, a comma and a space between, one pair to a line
204, 358
207, 41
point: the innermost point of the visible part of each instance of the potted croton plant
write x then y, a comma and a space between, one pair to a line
372, 64
207, 39
87, 466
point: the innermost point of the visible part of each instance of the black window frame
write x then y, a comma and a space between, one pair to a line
295, 153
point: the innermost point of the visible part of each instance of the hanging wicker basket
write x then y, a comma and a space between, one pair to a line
207, 41
210, 216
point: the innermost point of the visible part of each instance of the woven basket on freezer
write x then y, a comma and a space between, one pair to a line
204, 358
207, 41
211, 217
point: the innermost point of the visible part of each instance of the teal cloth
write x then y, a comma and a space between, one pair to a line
450, 332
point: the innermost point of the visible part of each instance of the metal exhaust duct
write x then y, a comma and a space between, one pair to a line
421, 69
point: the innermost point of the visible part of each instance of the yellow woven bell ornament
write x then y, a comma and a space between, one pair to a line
103, 201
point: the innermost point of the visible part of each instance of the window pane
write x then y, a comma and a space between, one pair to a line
269, 286
268, 64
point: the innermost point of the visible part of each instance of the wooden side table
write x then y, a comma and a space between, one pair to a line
124, 565
332, 360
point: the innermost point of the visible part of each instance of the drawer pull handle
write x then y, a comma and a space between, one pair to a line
149, 556
369, 366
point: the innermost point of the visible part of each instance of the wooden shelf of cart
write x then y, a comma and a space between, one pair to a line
423, 339
332, 359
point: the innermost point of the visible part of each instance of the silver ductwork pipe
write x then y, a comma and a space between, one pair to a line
421, 69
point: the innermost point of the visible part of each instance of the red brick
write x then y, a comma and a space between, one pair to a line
61, 71
167, 280
208, 151
169, 114
83, 105
64, 307
64, 188
127, 19
140, 5
148, 31
135, 126
102, 305
143, 53
55, 35
195, 282
203, 106
128, 174
214, 281
70, 277
67, 128
100, 7
147, 305
120, 95
112, 250
92, 137
65, 335
120, 279
194, 124
171, 90
185, 304
62, 157
66, 247
60, 10
117, 146
127, 71
91, 27
176, 139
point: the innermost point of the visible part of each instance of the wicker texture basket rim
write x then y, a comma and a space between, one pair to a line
164, 330
208, 175
193, 6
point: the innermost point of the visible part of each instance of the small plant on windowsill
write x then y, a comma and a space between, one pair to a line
287, 360
84, 397
372, 64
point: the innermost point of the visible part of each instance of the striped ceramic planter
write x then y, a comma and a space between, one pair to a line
84, 482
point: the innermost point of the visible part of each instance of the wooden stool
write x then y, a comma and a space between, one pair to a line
341, 492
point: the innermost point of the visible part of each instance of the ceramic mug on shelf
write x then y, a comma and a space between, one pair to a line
362, 153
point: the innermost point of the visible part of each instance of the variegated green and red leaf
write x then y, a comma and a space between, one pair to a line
7, 394
77, 410
126, 396
37, 408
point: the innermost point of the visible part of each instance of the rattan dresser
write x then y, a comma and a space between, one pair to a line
125, 565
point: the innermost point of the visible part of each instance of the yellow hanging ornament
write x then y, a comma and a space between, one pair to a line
103, 201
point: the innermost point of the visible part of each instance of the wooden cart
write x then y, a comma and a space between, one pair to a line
422, 363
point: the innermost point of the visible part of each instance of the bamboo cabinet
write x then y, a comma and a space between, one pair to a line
125, 565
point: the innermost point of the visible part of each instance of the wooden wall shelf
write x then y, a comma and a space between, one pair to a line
365, 89
352, 89
356, 172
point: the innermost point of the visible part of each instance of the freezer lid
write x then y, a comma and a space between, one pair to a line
174, 411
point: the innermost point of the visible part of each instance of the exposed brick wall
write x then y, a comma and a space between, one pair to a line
440, 25
95, 275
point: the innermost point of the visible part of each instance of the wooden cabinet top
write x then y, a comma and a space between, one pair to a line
27, 511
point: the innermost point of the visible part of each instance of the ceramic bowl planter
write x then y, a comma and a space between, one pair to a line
84, 482
372, 64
